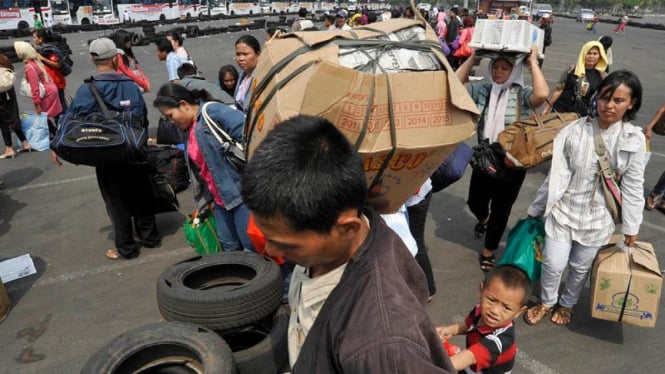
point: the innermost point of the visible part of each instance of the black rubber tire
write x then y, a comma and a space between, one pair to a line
220, 291
270, 353
137, 39
135, 350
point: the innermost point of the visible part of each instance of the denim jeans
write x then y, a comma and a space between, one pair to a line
555, 258
232, 228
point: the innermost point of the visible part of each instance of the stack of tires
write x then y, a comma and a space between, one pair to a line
224, 316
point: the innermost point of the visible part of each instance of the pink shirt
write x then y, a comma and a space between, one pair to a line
195, 155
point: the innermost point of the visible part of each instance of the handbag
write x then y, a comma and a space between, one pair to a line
607, 178
488, 159
234, 151
35, 128
7, 79
453, 167
201, 232
524, 247
163, 196
659, 127
169, 162
26, 90
444, 46
98, 139
530, 142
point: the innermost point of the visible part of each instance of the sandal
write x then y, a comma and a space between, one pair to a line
562, 316
536, 313
112, 254
480, 230
487, 263
653, 200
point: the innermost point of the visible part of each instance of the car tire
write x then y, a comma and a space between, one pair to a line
220, 291
170, 347
261, 348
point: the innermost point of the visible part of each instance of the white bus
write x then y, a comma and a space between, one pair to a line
284, 7
18, 14
214, 7
243, 7
149, 10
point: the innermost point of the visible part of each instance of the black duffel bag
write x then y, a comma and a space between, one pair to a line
98, 139
169, 162
169, 133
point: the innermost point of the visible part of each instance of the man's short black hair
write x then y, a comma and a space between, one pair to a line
302, 12
305, 172
164, 45
187, 69
512, 277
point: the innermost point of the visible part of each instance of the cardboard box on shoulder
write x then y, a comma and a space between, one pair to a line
507, 36
626, 286
385, 86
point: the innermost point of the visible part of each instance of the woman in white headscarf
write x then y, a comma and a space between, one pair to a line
491, 199
36, 73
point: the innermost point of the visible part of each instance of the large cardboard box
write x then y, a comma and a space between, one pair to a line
404, 120
626, 286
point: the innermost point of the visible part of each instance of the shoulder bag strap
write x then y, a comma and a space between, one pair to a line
217, 131
519, 104
609, 182
98, 98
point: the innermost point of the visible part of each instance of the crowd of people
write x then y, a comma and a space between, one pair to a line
358, 297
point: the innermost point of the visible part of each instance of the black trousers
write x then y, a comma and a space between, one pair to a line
417, 218
126, 192
494, 198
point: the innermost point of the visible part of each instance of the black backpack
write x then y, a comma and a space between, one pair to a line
66, 63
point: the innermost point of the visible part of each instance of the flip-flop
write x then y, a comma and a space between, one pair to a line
487, 263
113, 254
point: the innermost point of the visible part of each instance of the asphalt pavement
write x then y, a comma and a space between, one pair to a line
79, 300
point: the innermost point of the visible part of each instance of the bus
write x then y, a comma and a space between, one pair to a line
149, 10
284, 7
18, 14
244, 7
213, 7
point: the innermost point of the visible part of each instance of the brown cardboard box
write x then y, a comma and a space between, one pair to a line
632, 279
5, 302
300, 73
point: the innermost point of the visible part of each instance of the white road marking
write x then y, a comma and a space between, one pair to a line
48, 184
114, 267
532, 365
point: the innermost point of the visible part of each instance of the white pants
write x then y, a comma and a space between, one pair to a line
555, 258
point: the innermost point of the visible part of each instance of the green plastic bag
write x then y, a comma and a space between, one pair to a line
201, 232
524, 247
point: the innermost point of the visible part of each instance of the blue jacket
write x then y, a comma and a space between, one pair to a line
225, 176
117, 91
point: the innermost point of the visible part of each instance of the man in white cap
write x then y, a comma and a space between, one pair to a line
125, 187
340, 21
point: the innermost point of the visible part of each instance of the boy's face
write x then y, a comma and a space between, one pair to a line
499, 304
308, 248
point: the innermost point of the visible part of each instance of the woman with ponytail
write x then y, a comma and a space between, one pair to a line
214, 178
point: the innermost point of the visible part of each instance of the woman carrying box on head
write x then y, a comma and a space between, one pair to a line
577, 218
491, 199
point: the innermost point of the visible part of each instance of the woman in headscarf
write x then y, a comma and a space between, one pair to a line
35, 73
441, 26
491, 199
580, 82
578, 221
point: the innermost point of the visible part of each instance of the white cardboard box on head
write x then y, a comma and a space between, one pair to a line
507, 36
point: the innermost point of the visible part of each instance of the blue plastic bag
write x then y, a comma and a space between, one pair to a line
35, 128
524, 247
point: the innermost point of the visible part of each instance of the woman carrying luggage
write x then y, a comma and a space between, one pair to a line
571, 199
36, 74
214, 178
579, 82
491, 199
